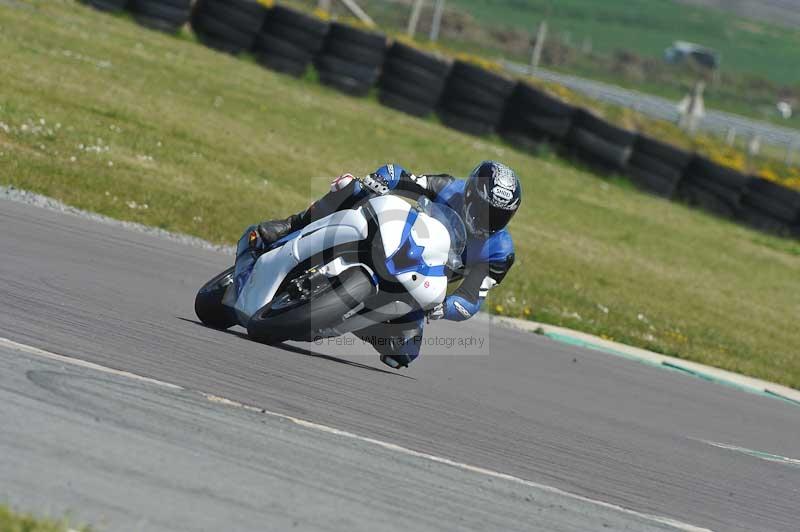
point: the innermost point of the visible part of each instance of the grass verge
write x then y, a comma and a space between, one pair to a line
16, 522
107, 116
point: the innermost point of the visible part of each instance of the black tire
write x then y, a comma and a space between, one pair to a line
410, 90
334, 65
596, 150
654, 166
466, 125
355, 53
473, 111
537, 126
298, 37
773, 199
775, 192
707, 200
172, 15
653, 183
702, 170
395, 69
527, 99
402, 103
221, 45
221, 35
112, 6
763, 222
283, 65
267, 45
459, 89
245, 16
352, 287
182, 4
733, 196
367, 39
285, 16
665, 153
432, 64
248, 7
208, 302
475, 75
607, 131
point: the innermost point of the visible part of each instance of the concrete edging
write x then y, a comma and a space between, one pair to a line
589, 341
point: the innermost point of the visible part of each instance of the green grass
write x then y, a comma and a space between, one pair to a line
15, 522
650, 26
210, 144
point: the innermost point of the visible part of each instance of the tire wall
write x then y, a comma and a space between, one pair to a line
468, 98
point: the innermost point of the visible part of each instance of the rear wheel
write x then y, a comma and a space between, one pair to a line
208, 302
299, 311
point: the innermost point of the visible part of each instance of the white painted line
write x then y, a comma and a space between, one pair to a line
666, 521
16, 346
756, 454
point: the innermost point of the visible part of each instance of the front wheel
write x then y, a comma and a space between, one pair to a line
208, 302
295, 317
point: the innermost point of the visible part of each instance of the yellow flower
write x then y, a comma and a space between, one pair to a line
499, 309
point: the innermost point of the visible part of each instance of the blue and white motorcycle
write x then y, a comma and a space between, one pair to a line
382, 260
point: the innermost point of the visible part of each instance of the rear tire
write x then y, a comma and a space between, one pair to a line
208, 302
326, 309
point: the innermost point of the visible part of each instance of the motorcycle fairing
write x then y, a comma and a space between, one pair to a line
411, 243
271, 268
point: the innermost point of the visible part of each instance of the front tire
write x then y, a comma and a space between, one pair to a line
208, 302
286, 319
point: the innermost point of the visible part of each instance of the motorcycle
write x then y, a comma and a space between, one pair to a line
382, 260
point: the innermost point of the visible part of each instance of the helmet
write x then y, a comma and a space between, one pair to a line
492, 196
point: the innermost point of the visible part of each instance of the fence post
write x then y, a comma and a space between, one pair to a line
538, 45
413, 20
436, 23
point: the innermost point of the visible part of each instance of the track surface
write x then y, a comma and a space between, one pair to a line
130, 456
582, 421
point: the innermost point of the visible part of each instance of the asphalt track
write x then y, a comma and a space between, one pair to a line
584, 422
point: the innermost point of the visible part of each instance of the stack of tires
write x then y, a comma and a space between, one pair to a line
533, 116
657, 167
599, 143
412, 80
351, 59
712, 187
228, 25
474, 99
162, 15
112, 6
770, 207
289, 40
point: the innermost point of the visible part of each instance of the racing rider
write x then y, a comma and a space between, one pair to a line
487, 200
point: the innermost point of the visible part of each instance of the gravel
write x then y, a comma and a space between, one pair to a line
23, 196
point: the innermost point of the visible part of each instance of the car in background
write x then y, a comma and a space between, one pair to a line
682, 51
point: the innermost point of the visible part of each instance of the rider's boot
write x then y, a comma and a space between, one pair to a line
271, 231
